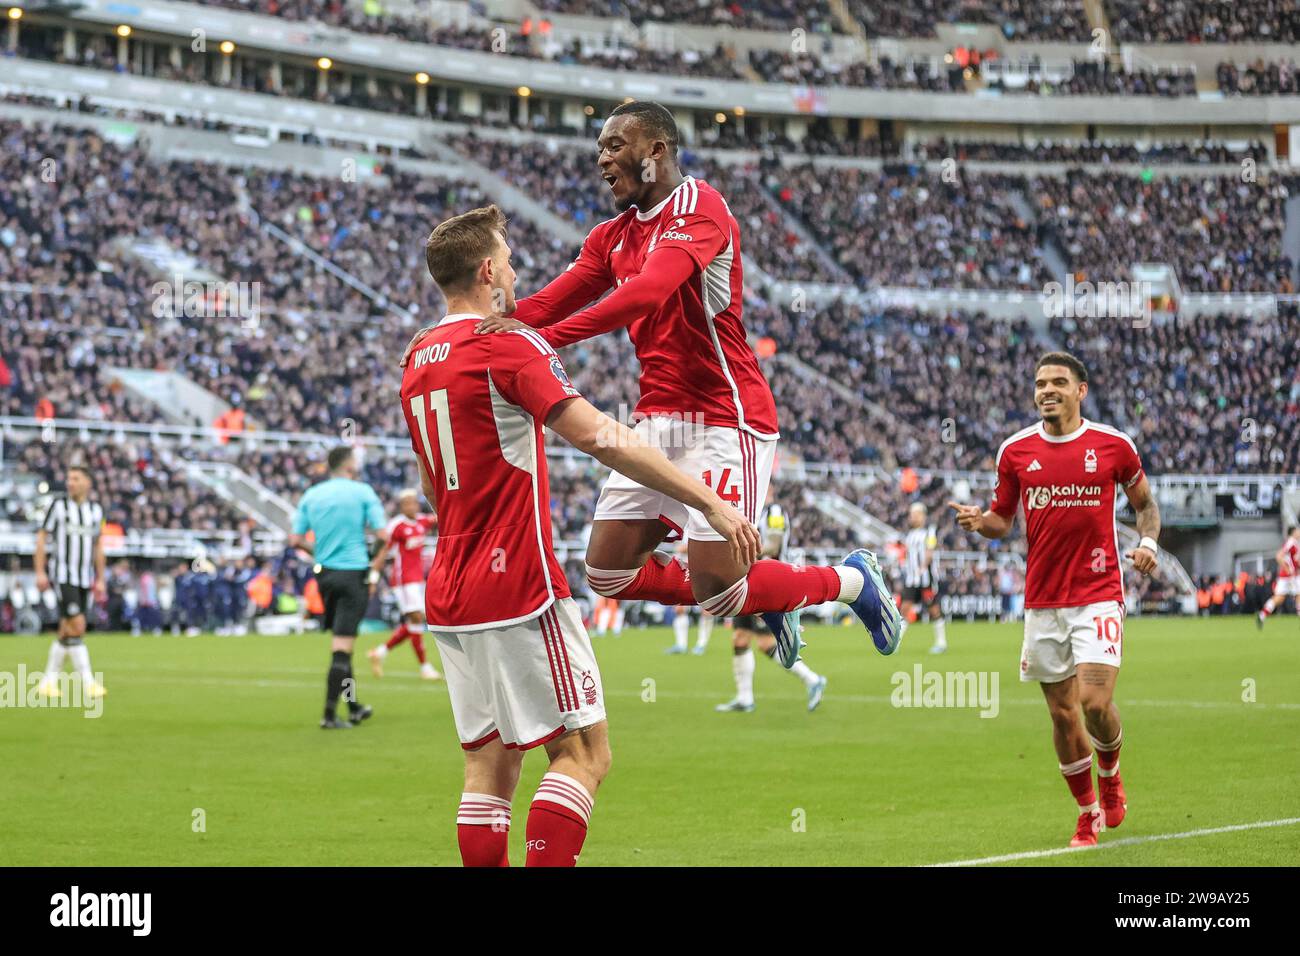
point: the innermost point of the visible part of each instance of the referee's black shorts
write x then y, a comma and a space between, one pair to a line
750, 622
345, 595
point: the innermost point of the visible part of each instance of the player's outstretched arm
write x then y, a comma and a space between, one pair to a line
1145, 555
589, 430
663, 274
990, 524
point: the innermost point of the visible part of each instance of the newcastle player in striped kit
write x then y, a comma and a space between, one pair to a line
920, 585
70, 558
750, 629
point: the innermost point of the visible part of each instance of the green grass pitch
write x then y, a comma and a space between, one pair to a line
228, 726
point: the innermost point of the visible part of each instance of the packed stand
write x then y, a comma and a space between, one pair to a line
1096, 152
1041, 20
782, 15
1092, 78
1259, 79
139, 485
806, 69
913, 229
1222, 234
1204, 21
1209, 395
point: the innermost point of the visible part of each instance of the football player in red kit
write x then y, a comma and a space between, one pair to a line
1064, 472
519, 664
406, 536
672, 258
1288, 577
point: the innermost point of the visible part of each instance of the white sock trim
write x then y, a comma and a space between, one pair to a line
730, 601
1107, 746
483, 809
564, 791
1070, 769
609, 583
852, 581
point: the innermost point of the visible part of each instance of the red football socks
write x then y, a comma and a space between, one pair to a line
483, 830
1078, 777
557, 821
400, 633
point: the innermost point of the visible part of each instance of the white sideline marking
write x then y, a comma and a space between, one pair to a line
188, 675
1127, 841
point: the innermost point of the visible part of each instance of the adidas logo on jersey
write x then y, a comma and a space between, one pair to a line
1034, 466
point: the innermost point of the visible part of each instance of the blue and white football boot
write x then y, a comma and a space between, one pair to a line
785, 627
875, 605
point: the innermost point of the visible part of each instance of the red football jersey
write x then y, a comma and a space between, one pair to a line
1067, 487
695, 359
1290, 564
475, 406
406, 538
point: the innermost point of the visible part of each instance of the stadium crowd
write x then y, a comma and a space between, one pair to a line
1092, 152
909, 228
1214, 394
1222, 234
1259, 78
305, 367
1204, 21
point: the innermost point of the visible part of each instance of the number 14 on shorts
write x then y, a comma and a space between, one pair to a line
730, 495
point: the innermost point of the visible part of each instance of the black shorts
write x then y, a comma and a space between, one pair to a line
919, 595
345, 595
750, 622
72, 600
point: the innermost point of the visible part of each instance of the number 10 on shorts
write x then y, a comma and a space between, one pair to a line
1109, 629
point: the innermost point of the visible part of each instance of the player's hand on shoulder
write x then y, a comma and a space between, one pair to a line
410, 346
970, 517
1143, 559
498, 323
42, 581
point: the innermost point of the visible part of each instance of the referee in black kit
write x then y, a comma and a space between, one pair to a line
339, 511
70, 558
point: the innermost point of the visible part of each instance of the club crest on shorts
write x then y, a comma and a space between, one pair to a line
589, 688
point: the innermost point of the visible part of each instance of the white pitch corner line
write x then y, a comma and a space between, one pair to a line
1127, 841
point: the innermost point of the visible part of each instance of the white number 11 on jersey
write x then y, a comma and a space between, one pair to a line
437, 401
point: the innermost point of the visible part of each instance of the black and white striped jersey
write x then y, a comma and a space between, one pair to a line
773, 522
71, 532
917, 571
